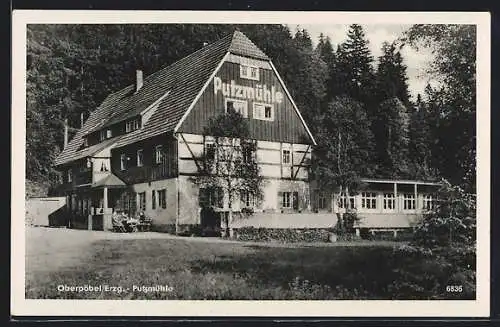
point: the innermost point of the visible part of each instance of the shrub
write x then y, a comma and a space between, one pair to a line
442, 253
286, 235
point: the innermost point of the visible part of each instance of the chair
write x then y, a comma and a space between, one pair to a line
118, 226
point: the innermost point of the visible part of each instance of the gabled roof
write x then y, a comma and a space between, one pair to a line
109, 181
184, 80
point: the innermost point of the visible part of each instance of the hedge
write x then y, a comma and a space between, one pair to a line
287, 235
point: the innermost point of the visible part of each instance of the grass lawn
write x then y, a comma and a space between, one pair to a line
195, 268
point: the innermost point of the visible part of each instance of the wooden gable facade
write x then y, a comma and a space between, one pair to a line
283, 123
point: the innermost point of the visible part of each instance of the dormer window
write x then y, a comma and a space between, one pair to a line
131, 125
85, 142
249, 72
105, 134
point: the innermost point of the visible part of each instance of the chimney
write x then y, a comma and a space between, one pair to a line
138, 80
81, 120
65, 133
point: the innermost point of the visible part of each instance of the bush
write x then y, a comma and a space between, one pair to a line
442, 253
286, 235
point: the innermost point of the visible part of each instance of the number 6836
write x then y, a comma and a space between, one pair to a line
454, 288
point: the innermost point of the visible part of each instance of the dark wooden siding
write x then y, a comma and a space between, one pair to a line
116, 129
150, 171
286, 127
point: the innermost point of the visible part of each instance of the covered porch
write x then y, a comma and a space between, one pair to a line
91, 206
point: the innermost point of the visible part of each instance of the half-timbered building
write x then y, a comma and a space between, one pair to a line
138, 151
139, 148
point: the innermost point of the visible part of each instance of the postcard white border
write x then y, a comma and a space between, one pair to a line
20, 306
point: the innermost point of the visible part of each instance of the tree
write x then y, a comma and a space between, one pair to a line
454, 66
345, 148
392, 138
327, 54
354, 71
310, 73
420, 139
391, 77
229, 162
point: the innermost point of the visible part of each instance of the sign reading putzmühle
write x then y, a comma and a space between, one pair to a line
259, 92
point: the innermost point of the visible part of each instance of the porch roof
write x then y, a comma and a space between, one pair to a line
111, 181
399, 181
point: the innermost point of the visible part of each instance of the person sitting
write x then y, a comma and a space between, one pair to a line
117, 222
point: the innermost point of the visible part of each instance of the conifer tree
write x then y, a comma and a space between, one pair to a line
391, 76
420, 141
327, 54
393, 139
354, 70
454, 63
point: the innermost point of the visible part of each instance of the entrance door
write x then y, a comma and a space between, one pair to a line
210, 221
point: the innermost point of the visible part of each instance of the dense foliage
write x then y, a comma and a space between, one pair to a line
443, 248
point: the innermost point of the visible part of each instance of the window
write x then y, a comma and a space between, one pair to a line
70, 175
321, 201
343, 201
263, 111
103, 166
142, 201
85, 142
247, 199
105, 134
102, 135
286, 200
139, 158
158, 154
289, 200
240, 106
429, 202
211, 196
249, 72
123, 162
286, 157
131, 125
153, 199
409, 201
389, 201
162, 198
368, 200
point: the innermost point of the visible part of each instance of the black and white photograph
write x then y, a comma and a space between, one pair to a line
285, 159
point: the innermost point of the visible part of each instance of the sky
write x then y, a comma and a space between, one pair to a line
376, 35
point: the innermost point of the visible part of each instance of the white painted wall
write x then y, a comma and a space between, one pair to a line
39, 209
160, 216
269, 157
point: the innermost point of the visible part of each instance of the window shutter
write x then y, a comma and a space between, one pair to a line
295, 200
